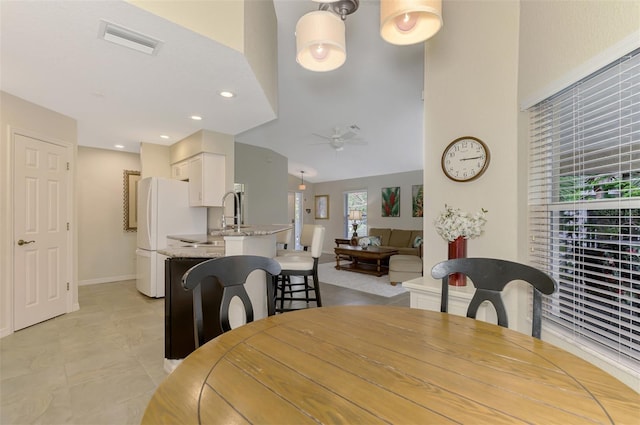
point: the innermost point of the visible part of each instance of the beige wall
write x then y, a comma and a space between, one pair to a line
373, 185
470, 90
261, 47
18, 114
558, 37
220, 20
155, 160
106, 252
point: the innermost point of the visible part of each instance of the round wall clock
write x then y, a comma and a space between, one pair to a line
465, 159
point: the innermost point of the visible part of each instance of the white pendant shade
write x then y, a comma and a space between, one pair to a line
320, 41
404, 22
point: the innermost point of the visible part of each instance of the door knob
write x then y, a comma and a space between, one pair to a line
23, 242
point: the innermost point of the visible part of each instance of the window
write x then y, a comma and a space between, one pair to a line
355, 201
584, 208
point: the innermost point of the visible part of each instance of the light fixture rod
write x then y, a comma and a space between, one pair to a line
302, 186
341, 8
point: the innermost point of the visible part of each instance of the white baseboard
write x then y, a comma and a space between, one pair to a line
106, 279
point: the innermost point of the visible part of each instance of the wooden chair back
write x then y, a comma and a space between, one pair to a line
231, 273
490, 276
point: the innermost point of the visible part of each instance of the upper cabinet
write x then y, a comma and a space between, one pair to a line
206, 174
180, 170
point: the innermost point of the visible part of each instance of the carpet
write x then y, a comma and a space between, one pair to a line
327, 273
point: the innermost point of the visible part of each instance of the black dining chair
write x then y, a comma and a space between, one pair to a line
231, 273
304, 267
490, 276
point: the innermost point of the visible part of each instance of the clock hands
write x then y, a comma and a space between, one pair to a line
469, 159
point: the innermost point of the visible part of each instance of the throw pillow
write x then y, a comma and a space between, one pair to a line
417, 241
374, 240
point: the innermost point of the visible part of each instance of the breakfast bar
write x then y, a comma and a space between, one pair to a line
184, 252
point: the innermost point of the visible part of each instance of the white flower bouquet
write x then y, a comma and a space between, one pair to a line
454, 223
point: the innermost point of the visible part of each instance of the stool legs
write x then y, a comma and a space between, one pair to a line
285, 291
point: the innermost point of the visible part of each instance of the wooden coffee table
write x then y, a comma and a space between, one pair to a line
355, 254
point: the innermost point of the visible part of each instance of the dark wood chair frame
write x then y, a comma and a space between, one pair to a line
285, 289
231, 272
490, 276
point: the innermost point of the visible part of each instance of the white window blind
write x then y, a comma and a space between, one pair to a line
584, 208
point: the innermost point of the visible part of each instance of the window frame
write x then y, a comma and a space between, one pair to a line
547, 155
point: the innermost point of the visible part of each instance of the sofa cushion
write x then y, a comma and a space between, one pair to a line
406, 251
400, 238
383, 234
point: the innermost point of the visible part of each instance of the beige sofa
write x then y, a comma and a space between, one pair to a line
402, 240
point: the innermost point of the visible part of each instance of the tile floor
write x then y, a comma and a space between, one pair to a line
101, 364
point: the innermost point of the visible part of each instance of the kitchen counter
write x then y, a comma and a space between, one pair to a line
195, 251
213, 244
245, 230
251, 230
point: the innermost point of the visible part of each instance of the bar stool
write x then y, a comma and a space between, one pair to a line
283, 240
306, 237
303, 266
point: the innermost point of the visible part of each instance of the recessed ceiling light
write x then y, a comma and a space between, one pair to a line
226, 94
196, 117
119, 146
164, 136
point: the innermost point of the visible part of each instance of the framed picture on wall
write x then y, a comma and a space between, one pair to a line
322, 207
417, 200
130, 195
390, 202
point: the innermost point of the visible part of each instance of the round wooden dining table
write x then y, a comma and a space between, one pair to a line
385, 364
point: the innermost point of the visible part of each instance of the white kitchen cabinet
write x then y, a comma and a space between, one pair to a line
206, 180
180, 170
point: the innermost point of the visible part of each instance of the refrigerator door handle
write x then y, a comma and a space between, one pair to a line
148, 208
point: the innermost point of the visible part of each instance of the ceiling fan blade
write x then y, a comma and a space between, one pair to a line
348, 135
322, 137
357, 142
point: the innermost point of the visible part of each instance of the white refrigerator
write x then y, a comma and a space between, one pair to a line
163, 209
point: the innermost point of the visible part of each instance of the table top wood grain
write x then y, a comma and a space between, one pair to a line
386, 364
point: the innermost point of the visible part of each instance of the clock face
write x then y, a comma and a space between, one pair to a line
465, 159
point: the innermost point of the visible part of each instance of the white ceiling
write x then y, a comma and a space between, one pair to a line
51, 55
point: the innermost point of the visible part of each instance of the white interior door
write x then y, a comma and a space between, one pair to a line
41, 236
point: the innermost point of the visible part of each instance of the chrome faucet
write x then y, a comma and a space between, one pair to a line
237, 216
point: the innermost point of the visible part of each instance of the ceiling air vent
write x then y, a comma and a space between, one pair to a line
128, 38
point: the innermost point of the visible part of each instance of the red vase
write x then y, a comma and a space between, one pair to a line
458, 249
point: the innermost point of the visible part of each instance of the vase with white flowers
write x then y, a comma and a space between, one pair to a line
456, 226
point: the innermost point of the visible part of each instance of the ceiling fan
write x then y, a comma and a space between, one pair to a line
340, 137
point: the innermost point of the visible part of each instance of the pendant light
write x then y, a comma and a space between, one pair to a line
320, 41
405, 22
302, 186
